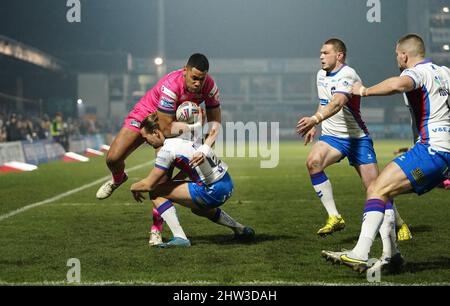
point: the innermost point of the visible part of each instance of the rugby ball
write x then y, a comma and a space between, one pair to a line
188, 112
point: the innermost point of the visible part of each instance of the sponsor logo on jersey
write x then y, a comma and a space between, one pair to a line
162, 159
443, 92
168, 92
418, 176
135, 123
324, 102
441, 129
166, 103
322, 84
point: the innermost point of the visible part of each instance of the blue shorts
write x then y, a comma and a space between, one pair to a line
424, 167
214, 195
359, 151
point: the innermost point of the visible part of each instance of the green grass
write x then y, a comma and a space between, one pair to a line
110, 237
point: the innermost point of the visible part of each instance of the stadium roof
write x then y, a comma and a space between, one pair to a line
22, 52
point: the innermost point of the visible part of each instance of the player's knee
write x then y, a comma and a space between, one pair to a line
314, 164
376, 190
371, 188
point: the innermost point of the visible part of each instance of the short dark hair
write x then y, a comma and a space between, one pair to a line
338, 45
150, 123
413, 43
199, 61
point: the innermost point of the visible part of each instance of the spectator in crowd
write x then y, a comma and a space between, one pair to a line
13, 129
16, 126
57, 130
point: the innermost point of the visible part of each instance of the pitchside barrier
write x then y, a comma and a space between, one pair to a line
43, 151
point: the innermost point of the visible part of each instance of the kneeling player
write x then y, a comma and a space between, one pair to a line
210, 185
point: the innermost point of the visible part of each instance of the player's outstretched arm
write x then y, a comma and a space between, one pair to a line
214, 117
147, 184
387, 87
305, 124
169, 127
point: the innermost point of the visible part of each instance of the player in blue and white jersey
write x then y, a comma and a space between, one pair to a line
344, 133
427, 164
209, 187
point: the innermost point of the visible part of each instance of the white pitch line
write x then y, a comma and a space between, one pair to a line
65, 194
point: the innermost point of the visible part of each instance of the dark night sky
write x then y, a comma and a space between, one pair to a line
220, 29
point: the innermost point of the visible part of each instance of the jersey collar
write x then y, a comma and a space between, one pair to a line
425, 61
330, 74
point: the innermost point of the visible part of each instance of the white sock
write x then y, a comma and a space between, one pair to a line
169, 214
373, 217
324, 191
385, 232
224, 219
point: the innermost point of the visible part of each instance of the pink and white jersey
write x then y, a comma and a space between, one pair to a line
429, 103
170, 92
348, 121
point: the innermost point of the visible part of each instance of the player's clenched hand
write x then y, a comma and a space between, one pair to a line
137, 195
197, 159
304, 125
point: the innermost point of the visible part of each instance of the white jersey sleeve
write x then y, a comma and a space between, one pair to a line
429, 103
164, 158
347, 123
345, 83
415, 75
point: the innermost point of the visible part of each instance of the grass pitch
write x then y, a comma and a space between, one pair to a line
110, 237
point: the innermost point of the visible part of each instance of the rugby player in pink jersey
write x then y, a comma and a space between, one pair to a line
191, 83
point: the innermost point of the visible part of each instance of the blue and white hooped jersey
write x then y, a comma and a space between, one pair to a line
178, 152
429, 103
348, 121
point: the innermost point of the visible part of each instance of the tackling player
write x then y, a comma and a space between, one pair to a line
210, 185
192, 83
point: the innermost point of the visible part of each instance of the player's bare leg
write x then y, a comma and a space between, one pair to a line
321, 156
125, 142
157, 221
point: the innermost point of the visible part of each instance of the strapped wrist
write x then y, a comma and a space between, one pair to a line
361, 91
205, 149
315, 119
